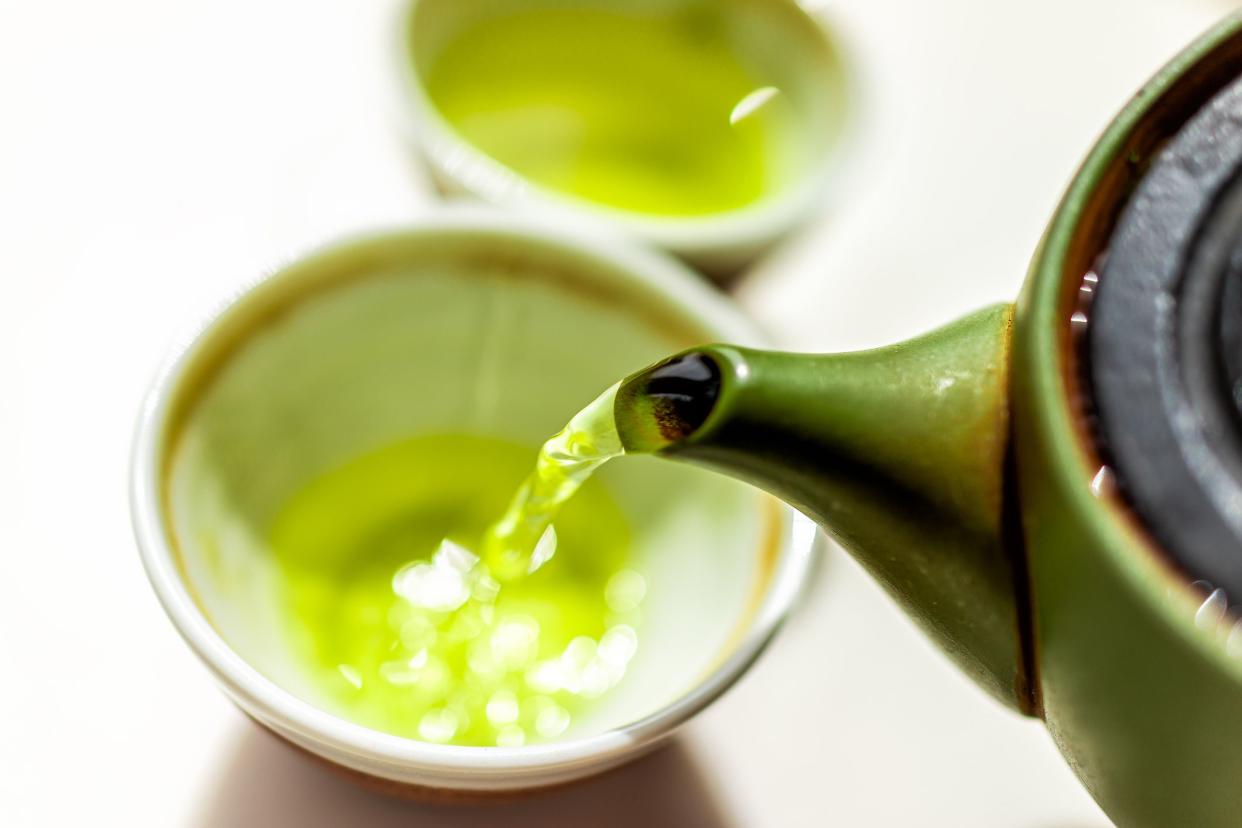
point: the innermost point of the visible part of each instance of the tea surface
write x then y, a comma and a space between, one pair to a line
652, 113
406, 631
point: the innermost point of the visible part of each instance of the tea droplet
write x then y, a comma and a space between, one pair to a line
552, 720
439, 725
751, 103
510, 736
351, 675
625, 591
502, 708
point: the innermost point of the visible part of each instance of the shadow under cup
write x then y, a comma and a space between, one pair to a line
447, 331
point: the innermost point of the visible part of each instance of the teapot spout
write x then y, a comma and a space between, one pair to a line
900, 453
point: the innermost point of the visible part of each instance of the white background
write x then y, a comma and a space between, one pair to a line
152, 154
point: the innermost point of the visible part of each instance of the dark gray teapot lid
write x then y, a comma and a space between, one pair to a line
1164, 344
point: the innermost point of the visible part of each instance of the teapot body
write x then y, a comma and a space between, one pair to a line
965, 469
1137, 671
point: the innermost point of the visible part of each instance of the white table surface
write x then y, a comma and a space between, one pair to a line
155, 152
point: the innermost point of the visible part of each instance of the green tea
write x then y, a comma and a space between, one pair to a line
405, 630
524, 537
649, 112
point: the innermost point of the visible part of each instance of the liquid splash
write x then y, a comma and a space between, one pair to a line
405, 628
450, 602
457, 591
524, 538
448, 613
751, 103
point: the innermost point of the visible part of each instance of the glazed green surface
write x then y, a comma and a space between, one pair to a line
899, 453
627, 109
1142, 700
896, 453
1139, 689
395, 640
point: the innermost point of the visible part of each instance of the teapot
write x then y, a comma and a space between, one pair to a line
1052, 489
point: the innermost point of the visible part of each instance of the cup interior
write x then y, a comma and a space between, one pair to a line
774, 40
446, 332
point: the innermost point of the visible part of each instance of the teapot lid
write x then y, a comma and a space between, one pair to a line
1164, 345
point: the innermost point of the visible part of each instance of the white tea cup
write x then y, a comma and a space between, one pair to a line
376, 340
790, 51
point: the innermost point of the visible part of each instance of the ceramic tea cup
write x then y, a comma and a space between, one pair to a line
473, 322
546, 141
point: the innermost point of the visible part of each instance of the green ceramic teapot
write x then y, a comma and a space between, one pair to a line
1052, 489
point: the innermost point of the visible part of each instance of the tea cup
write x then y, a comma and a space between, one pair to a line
472, 321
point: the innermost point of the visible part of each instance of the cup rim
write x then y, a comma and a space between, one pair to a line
727, 235
407, 760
